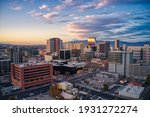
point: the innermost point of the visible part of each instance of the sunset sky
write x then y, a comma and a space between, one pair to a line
34, 21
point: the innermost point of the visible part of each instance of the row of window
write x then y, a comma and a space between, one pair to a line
36, 79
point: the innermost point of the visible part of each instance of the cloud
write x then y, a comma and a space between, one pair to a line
97, 4
111, 26
93, 5
64, 4
44, 7
126, 24
66, 1
75, 29
50, 15
15, 6
60, 7
128, 1
46, 17
34, 13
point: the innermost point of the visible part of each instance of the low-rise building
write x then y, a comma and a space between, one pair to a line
28, 75
131, 91
4, 67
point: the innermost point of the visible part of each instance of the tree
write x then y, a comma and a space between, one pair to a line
147, 80
55, 92
105, 87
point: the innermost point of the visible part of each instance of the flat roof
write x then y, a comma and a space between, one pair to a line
131, 91
58, 61
30, 64
76, 63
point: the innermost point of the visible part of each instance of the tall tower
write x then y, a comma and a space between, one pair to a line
104, 47
16, 55
117, 44
54, 45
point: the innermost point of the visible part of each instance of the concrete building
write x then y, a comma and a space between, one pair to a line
16, 55
104, 48
147, 54
54, 45
138, 53
29, 75
141, 54
119, 62
63, 68
131, 91
75, 53
65, 54
117, 45
138, 70
4, 67
74, 45
87, 56
77, 64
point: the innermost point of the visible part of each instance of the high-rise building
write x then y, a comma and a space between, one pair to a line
138, 53
117, 45
104, 48
92, 41
16, 55
4, 67
30, 75
119, 62
54, 45
147, 54
65, 54
73, 45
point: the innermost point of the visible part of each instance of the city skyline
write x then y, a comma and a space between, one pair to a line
34, 21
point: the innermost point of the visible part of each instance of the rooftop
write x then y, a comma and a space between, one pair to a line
31, 64
131, 91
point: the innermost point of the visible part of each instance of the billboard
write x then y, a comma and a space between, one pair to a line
91, 41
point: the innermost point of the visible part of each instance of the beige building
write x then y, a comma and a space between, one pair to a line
147, 54
137, 70
72, 46
54, 45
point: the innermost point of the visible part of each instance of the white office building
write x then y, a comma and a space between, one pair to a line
119, 62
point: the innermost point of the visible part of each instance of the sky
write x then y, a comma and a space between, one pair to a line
35, 21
